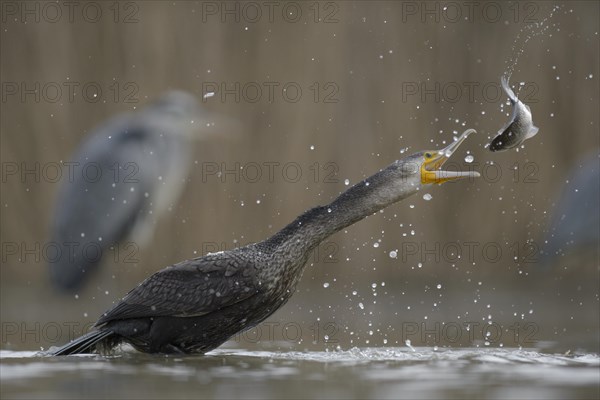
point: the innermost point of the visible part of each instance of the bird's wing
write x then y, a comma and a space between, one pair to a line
190, 288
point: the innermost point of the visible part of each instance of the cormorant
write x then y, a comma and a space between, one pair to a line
196, 305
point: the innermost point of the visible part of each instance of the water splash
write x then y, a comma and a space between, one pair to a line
527, 33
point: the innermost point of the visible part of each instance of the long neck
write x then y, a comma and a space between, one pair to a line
363, 199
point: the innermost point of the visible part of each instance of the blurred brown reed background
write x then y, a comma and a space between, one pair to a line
367, 57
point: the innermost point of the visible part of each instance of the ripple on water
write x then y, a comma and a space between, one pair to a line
384, 370
503, 356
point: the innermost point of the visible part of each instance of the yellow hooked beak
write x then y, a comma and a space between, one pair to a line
434, 160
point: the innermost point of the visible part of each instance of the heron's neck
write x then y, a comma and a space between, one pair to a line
307, 231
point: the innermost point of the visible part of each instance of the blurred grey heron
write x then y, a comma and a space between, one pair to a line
575, 225
133, 168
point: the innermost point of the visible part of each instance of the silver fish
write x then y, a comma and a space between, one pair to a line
519, 128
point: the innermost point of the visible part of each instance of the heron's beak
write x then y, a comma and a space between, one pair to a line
215, 123
434, 160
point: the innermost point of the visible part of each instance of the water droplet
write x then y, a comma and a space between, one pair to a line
376, 244
312, 147
427, 197
469, 158
326, 285
361, 305
393, 254
346, 182
439, 286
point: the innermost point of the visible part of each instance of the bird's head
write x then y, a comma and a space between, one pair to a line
181, 113
430, 163
408, 175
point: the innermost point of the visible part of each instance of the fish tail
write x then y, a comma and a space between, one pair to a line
509, 92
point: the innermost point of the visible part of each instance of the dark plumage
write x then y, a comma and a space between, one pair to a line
196, 305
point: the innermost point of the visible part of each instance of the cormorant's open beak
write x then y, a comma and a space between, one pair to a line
434, 160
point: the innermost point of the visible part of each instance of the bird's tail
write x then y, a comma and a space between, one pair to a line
85, 344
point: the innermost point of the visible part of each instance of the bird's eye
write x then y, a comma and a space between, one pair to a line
427, 155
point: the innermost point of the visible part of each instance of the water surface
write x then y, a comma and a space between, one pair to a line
356, 373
